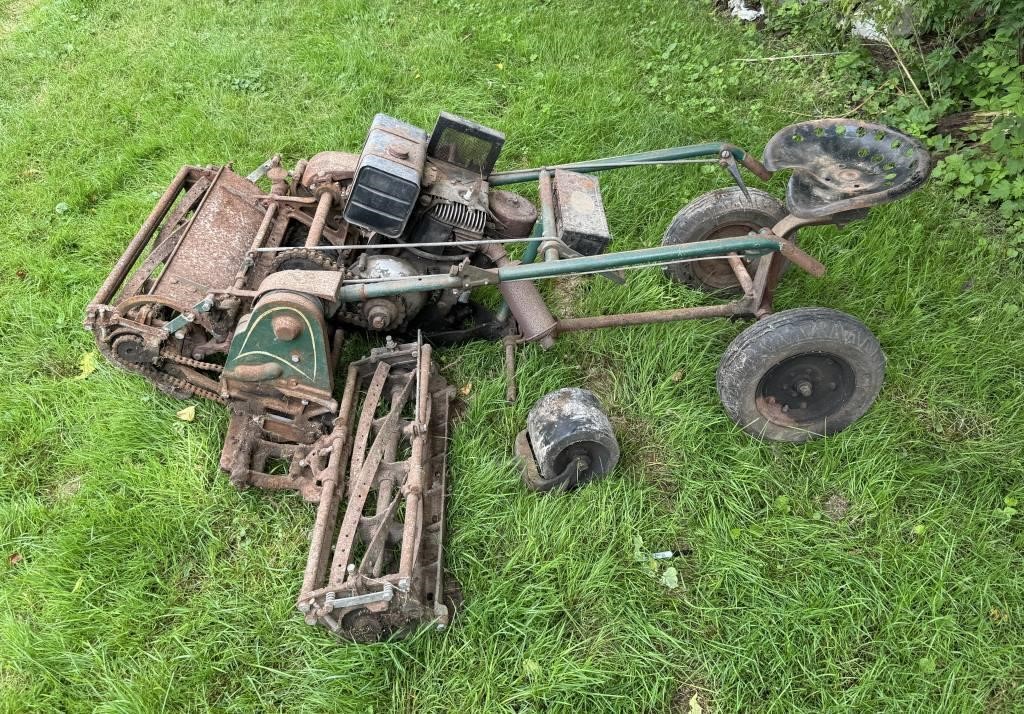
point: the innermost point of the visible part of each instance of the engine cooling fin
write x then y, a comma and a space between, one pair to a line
460, 216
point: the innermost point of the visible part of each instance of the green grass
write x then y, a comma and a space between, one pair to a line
146, 582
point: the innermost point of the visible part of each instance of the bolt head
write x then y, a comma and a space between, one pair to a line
379, 316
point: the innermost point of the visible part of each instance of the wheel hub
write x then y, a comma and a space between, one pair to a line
805, 388
717, 273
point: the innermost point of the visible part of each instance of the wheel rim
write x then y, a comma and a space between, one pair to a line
717, 274
805, 388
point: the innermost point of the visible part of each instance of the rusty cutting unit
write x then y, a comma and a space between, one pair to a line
240, 290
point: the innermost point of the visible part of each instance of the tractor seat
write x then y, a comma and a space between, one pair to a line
843, 165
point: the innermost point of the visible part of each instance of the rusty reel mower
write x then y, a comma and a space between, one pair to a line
244, 290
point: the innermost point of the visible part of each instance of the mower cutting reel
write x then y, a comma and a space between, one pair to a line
378, 568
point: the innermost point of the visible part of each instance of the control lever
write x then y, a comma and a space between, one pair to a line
727, 161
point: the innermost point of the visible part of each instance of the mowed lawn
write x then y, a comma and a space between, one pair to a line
877, 570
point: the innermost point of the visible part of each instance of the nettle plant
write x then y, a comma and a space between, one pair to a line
947, 71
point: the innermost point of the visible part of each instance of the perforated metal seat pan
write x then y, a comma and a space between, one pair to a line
844, 165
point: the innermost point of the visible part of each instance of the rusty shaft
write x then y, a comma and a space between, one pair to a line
135, 248
316, 229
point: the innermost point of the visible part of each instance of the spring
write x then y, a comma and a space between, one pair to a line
460, 216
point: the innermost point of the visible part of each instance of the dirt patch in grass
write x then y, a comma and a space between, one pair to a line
836, 507
11, 15
66, 488
691, 700
565, 297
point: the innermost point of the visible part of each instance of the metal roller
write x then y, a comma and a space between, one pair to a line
568, 441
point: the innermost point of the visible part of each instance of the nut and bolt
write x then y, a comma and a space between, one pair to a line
379, 316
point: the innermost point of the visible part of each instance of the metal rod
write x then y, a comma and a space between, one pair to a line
800, 258
647, 158
370, 281
138, 243
739, 268
751, 164
299, 200
413, 487
327, 509
388, 246
316, 229
642, 257
549, 227
639, 257
547, 205
645, 318
257, 241
510, 368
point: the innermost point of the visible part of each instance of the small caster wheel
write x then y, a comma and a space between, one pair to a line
725, 213
568, 441
800, 374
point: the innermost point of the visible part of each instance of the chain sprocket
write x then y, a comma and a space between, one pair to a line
303, 259
167, 382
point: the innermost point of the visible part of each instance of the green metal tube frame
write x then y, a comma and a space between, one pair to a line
645, 158
751, 246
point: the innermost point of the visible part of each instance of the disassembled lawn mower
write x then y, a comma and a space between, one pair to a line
243, 295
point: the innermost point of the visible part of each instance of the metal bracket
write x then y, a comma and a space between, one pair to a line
564, 251
261, 170
384, 595
472, 276
204, 305
727, 161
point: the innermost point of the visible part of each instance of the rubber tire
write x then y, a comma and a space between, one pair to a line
713, 212
777, 337
561, 424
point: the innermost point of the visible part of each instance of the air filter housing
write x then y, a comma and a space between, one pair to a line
465, 144
387, 178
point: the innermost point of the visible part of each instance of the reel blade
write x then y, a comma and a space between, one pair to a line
382, 502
